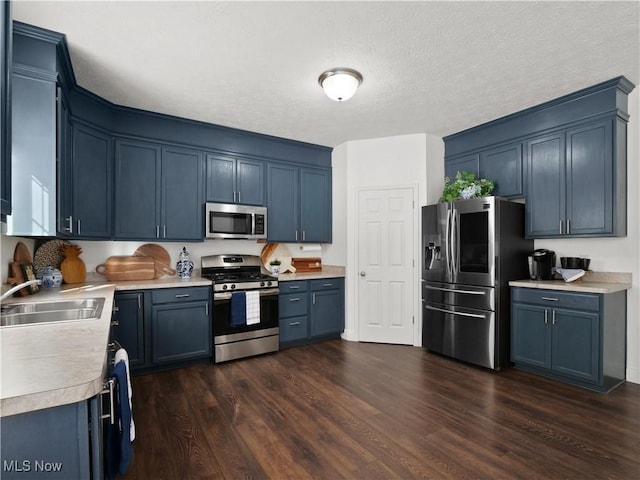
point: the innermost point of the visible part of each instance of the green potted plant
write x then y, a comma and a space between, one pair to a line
275, 266
465, 186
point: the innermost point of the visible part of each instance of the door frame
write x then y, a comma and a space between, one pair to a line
352, 328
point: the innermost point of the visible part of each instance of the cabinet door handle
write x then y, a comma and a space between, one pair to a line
568, 226
296, 235
239, 197
550, 299
115, 323
70, 227
78, 227
313, 298
293, 324
553, 317
297, 299
157, 231
294, 287
327, 284
546, 320
115, 309
560, 227
206, 309
140, 302
182, 295
164, 231
304, 236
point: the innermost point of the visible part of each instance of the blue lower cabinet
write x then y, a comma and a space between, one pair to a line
311, 310
128, 326
180, 325
577, 338
163, 327
54, 443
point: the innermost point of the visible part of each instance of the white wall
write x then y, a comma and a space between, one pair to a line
379, 163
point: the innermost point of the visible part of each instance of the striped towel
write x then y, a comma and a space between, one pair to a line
253, 307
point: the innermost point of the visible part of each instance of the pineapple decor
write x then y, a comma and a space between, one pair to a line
72, 267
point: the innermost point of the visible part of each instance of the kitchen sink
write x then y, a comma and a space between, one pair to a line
56, 311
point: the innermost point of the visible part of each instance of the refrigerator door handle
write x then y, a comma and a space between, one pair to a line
454, 244
447, 243
454, 290
462, 314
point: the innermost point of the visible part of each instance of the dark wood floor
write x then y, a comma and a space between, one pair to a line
366, 411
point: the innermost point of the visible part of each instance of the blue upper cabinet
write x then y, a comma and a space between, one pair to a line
159, 192
468, 163
298, 204
545, 185
574, 187
137, 190
235, 180
283, 203
503, 165
6, 34
315, 205
567, 157
182, 194
92, 161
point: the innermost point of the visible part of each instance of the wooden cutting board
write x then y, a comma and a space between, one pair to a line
280, 251
128, 267
72, 267
310, 264
160, 256
21, 255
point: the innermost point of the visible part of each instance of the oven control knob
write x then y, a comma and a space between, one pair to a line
233, 285
262, 284
224, 287
269, 283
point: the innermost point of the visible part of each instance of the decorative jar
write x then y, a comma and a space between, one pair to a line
184, 266
50, 277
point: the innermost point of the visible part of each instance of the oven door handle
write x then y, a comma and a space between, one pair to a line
263, 293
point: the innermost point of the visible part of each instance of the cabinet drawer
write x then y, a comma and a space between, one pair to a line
294, 328
293, 286
326, 284
172, 295
293, 304
555, 299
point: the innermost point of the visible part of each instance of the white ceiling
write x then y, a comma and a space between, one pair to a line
434, 67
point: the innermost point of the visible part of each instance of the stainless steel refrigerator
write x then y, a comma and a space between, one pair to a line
471, 249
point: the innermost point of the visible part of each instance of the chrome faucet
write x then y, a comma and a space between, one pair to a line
20, 286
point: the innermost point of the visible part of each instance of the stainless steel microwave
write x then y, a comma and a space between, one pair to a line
224, 220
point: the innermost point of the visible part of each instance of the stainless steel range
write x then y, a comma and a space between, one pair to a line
245, 317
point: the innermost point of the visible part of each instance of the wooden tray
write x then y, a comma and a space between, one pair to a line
310, 264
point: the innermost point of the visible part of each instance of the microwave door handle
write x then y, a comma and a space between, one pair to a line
253, 224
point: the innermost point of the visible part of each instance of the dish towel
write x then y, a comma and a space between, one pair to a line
570, 274
119, 450
121, 355
253, 307
238, 309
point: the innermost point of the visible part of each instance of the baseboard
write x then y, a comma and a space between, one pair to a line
633, 375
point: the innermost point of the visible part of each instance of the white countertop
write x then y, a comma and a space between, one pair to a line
592, 282
51, 364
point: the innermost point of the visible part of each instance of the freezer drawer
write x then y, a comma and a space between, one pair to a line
463, 333
480, 298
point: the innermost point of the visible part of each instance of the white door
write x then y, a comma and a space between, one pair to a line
385, 265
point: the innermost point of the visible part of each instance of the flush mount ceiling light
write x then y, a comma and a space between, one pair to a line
340, 84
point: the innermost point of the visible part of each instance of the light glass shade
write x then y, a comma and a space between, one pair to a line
340, 84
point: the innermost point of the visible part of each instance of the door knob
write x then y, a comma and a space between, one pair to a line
363, 274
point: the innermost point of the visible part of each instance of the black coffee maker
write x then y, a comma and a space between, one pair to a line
543, 262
